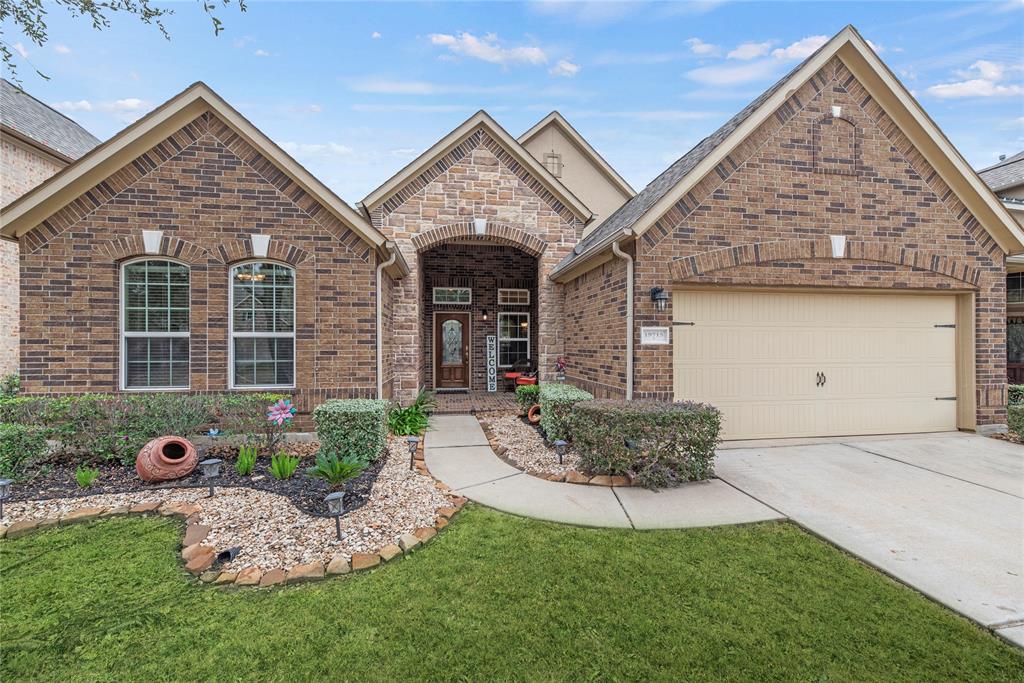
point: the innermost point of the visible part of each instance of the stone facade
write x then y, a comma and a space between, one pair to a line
764, 215
477, 179
208, 191
21, 169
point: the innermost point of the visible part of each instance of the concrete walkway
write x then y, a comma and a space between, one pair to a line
457, 453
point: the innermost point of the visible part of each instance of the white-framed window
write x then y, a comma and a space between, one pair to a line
513, 338
155, 308
262, 325
453, 295
513, 297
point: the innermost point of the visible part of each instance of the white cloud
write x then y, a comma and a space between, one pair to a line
394, 87
20, 49
564, 68
261, 53
67, 105
125, 110
317, 150
801, 49
375, 35
314, 109
61, 49
729, 74
699, 47
982, 79
876, 47
750, 50
239, 43
488, 48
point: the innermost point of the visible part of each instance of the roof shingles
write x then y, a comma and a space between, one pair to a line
1006, 174
39, 122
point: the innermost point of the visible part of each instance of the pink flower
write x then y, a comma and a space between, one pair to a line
281, 412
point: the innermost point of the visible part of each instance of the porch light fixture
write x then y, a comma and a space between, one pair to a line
560, 445
413, 442
485, 314
5, 493
211, 470
660, 298
336, 507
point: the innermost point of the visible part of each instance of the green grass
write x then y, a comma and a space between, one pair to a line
493, 598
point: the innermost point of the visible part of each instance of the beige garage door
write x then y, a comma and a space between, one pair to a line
808, 364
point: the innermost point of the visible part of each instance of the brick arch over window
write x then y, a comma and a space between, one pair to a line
279, 250
496, 233
131, 246
761, 253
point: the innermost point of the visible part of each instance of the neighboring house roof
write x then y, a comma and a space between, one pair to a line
640, 213
479, 120
41, 125
1006, 174
557, 120
28, 211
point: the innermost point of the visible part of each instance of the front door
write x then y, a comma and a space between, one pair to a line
451, 350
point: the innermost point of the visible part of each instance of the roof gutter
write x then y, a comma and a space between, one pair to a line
629, 315
389, 246
593, 252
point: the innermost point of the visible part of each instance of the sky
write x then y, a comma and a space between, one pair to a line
355, 91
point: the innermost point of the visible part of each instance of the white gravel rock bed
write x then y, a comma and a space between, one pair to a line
527, 448
272, 532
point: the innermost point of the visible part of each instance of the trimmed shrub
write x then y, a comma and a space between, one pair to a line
527, 395
353, 427
556, 402
1015, 419
1016, 394
20, 446
10, 385
657, 443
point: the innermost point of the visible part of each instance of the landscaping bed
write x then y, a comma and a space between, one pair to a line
527, 449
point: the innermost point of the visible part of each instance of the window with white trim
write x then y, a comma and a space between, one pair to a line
513, 338
155, 325
453, 295
513, 297
262, 325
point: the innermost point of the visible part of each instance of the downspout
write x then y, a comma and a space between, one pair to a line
629, 316
390, 246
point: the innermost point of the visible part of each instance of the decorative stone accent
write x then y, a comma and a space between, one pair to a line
209, 576
424, 534
447, 513
338, 565
48, 523
225, 578
190, 551
619, 480
601, 480
390, 552
179, 509
113, 512
249, 576
201, 560
361, 561
22, 528
305, 572
408, 542
440, 523
195, 533
273, 578
574, 477
81, 515
143, 508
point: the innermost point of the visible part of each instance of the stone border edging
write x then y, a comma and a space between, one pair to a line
199, 558
570, 477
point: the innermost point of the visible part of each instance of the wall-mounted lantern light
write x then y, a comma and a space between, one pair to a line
660, 298
485, 314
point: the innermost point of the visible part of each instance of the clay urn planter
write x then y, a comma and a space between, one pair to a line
165, 458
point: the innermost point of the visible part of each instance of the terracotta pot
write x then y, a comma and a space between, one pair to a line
166, 457
533, 414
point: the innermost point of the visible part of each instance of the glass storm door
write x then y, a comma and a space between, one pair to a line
451, 350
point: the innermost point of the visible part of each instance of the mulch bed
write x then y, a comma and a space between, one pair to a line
305, 492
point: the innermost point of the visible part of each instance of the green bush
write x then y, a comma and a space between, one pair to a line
1015, 419
657, 443
1016, 393
20, 446
336, 470
283, 466
527, 395
414, 418
86, 476
246, 415
556, 402
246, 460
353, 427
10, 385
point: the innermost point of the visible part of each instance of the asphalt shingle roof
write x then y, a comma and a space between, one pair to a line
43, 124
634, 209
1007, 173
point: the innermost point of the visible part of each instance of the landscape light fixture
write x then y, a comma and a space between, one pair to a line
660, 298
5, 493
560, 445
336, 506
211, 470
414, 442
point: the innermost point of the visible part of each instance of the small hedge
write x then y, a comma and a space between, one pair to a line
556, 402
20, 446
527, 395
1015, 419
656, 443
1016, 393
353, 427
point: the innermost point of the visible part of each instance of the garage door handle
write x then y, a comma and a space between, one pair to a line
818, 382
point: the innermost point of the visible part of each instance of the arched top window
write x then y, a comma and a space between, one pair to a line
155, 310
262, 325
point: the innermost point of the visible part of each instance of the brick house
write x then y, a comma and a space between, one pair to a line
36, 142
825, 263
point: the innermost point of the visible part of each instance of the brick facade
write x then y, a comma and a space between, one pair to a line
208, 191
764, 215
476, 179
21, 169
595, 330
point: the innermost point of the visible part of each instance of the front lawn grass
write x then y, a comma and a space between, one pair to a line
493, 598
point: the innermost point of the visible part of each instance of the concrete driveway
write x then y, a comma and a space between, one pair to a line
943, 513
